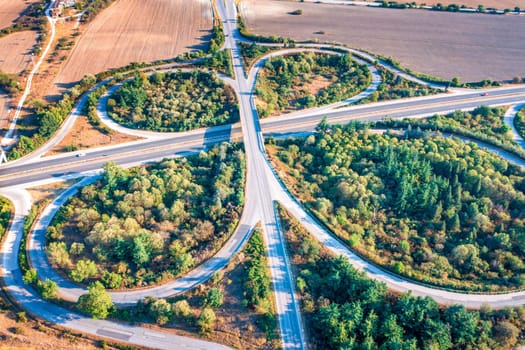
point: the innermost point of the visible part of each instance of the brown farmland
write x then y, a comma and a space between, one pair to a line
10, 10
15, 51
444, 44
136, 31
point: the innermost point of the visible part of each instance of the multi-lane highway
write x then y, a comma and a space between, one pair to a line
262, 189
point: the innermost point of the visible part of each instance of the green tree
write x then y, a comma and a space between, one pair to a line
83, 270
48, 289
97, 302
30, 276
214, 298
206, 320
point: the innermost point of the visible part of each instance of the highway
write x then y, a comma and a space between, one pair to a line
263, 188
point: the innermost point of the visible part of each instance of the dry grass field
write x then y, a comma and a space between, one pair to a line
138, 30
4, 107
10, 10
496, 4
15, 51
471, 46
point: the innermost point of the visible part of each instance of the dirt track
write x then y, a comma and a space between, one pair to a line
138, 30
15, 51
10, 10
444, 44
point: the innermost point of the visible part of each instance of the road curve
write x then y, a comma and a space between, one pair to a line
30, 300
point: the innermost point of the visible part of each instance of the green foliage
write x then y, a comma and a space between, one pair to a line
257, 284
5, 215
30, 276
519, 122
283, 82
48, 289
9, 83
84, 269
252, 52
344, 309
436, 210
181, 308
97, 302
393, 87
206, 320
221, 61
159, 310
176, 101
214, 298
145, 225
91, 8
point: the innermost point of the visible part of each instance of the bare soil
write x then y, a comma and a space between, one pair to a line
15, 51
33, 335
444, 44
10, 10
83, 136
136, 31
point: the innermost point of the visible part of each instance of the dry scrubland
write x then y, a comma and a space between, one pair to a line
10, 10
15, 51
471, 46
138, 30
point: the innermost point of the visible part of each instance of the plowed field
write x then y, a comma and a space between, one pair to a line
10, 10
471, 46
15, 51
136, 31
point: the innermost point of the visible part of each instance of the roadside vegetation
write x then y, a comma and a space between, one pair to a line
343, 309
435, 210
5, 215
519, 123
484, 123
146, 225
393, 87
234, 307
305, 80
252, 52
177, 101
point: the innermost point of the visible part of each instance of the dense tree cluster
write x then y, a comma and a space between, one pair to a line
175, 101
394, 86
9, 83
345, 310
148, 224
434, 209
287, 82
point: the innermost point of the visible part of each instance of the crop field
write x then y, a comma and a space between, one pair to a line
10, 10
494, 4
15, 51
136, 31
444, 44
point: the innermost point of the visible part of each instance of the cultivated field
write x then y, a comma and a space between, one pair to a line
11, 9
15, 51
138, 30
496, 4
470, 46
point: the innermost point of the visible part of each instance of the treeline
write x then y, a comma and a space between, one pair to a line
91, 7
50, 117
436, 210
519, 123
484, 123
343, 309
5, 216
251, 52
289, 82
146, 225
175, 101
394, 86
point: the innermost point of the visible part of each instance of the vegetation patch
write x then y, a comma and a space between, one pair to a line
343, 309
177, 101
433, 209
519, 123
484, 123
234, 307
252, 52
394, 86
146, 225
298, 81
5, 215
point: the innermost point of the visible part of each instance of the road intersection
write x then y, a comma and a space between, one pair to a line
263, 188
